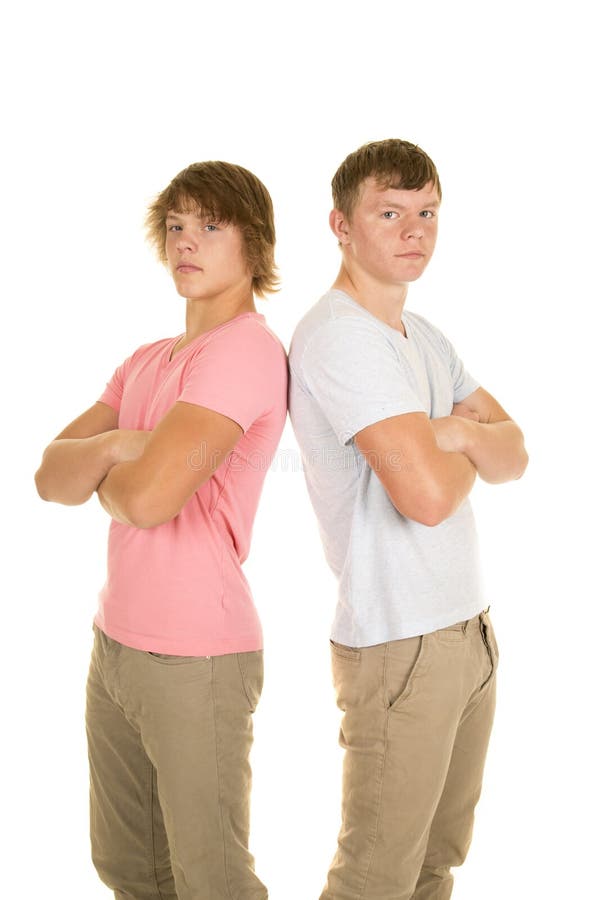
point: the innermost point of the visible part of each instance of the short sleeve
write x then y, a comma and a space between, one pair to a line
356, 375
241, 373
113, 393
463, 383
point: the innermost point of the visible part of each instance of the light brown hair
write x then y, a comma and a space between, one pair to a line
392, 163
226, 193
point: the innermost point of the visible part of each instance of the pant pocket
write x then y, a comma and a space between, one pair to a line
167, 659
491, 635
489, 641
351, 671
403, 662
251, 672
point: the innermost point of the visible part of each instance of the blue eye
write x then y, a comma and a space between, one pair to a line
210, 227
427, 214
174, 228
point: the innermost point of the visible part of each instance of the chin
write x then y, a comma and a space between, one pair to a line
414, 273
187, 291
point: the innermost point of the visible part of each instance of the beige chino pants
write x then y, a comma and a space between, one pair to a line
417, 720
169, 739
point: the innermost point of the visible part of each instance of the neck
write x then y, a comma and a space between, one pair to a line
204, 315
386, 302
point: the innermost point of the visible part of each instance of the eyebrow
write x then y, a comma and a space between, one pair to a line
199, 215
392, 205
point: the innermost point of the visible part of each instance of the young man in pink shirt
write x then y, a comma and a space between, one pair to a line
177, 448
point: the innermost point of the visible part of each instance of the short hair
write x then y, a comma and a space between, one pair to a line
230, 194
392, 163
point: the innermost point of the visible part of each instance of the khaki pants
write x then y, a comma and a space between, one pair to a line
169, 739
417, 719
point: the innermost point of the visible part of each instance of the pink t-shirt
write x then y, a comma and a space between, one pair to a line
179, 587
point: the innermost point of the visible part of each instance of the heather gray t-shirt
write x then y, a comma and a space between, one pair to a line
397, 578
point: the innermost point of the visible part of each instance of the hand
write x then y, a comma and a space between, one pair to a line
452, 432
129, 444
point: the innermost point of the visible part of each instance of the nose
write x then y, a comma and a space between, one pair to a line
413, 228
185, 241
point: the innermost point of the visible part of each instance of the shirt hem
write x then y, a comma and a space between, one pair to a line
189, 646
362, 638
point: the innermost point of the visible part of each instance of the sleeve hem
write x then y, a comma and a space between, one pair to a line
220, 409
109, 398
371, 419
465, 391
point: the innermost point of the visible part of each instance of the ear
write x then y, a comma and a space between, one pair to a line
340, 226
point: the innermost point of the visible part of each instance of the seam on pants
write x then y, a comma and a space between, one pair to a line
153, 833
477, 697
214, 704
486, 643
379, 796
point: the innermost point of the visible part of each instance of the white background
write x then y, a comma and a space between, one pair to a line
104, 104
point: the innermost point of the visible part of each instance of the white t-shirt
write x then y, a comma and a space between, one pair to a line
397, 578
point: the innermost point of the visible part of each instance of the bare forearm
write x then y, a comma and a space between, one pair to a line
72, 468
116, 492
496, 449
456, 476
430, 493
424, 481
141, 493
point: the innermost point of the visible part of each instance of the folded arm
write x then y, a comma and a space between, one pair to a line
182, 452
424, 482
77, 460
480, 428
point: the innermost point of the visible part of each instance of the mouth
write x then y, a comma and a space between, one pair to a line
411, 255
186, 268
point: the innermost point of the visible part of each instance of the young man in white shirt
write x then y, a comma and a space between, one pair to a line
393, 432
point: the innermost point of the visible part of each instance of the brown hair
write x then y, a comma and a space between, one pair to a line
393, 163
229, 194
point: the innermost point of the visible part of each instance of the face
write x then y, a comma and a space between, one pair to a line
392, 234
205, 257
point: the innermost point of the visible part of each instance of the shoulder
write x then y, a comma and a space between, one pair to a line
151, 348
144, 353
242, 353
421, 324
427, 331
248, 334
334, 323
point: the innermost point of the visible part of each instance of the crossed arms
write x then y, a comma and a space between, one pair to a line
429, 466
143, 478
